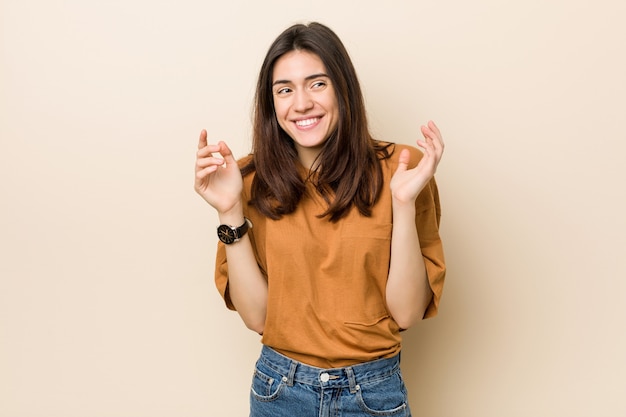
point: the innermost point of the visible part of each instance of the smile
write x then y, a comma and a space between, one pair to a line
307, 122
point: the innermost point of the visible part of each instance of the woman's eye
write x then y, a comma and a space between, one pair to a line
319, 84
283, 90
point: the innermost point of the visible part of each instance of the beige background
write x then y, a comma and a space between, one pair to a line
107, 304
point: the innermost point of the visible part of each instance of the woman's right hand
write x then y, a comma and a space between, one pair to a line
218, 180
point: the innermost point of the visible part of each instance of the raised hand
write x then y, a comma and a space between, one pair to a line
406, 184
218, 179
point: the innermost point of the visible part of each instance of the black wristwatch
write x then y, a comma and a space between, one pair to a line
230, 234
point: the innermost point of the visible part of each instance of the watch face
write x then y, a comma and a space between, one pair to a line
226, 234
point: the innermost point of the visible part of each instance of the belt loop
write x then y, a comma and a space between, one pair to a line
292, 373
351, 379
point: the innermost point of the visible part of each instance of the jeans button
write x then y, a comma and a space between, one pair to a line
324, 377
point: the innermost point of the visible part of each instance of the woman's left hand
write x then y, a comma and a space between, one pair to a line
406, 184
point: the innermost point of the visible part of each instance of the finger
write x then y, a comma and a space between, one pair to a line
212, 160
202, 142
208, 150
433, 128
403, 160
432, 149
433, 136
202, 173
429, 156
428, 164
427, 145
226, 153
428, 133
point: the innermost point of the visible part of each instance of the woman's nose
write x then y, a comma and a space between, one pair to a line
303, 101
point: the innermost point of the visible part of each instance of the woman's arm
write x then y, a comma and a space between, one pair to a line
408, 291
219, 182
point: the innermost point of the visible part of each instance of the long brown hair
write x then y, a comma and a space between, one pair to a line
350, 174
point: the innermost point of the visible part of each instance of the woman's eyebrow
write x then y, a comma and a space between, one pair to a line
307, 78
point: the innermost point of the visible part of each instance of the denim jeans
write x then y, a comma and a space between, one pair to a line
282, 387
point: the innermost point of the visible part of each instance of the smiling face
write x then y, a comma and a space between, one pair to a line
305, 102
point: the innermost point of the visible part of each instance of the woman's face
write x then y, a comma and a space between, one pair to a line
305, 102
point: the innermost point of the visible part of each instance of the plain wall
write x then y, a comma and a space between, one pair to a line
107, 301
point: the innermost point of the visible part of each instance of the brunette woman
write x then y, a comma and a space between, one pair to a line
329, 239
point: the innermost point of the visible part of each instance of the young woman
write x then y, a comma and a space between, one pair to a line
329, 242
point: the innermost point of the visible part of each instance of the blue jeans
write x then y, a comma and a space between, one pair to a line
282, 387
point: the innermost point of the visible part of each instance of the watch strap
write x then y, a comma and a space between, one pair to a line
230, 234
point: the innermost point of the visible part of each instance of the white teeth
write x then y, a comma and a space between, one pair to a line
307, 122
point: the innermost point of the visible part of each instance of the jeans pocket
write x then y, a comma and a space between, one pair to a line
384, 397
266, 386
